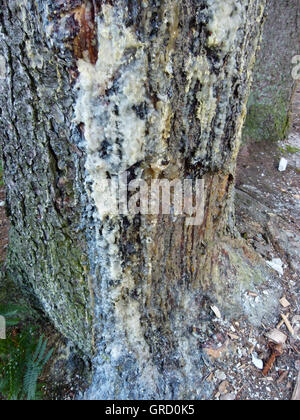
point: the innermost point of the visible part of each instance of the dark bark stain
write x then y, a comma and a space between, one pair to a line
86, 40
80, 26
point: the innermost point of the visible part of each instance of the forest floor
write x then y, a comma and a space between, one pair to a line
268, 217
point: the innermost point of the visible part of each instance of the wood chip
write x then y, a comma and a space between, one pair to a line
233, 336
280, 324
282, 377
287, 323
252, 349
210, 377
216, 311
284, 302
242, 367
276, 336
217, 353
296, 394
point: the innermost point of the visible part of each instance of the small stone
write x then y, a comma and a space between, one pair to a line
228, 397
296, 319
277, 265
2, 203
282, 165
220, 376
233, 336
258, 363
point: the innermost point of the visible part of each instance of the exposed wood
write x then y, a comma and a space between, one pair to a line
288, 324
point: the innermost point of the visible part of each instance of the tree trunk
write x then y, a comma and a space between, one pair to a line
274, 84
154, 88
44, 170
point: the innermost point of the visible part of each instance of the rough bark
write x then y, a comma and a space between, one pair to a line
43, 166
270, 102
160, 90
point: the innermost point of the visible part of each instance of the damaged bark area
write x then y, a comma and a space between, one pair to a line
79, 22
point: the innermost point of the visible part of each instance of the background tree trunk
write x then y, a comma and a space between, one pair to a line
269, 106
159, 89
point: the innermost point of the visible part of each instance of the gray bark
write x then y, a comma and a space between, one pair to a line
269, 106
161, 93
44, 169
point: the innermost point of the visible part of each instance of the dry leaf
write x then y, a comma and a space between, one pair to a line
216, 353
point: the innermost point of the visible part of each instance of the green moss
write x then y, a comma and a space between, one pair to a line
58, 281
266, 122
